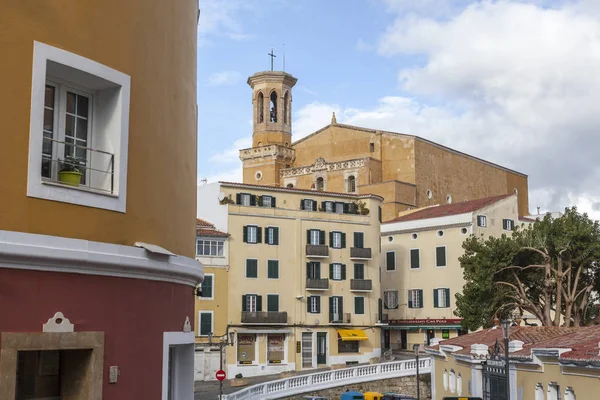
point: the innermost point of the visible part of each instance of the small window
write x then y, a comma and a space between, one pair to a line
508, 224
251, 268
414, 236
349, 346
273, 302
316, 237
351, 184
372, 147
320, 184
244, 199
290, 185
314, 304
207, 287
313, 270
429, 194
252, 303
415, 258
441, 298
440, 256
336, 240
273, 269
390, 299
337, 272
260, 106
390, 239
440, 233
329, 206
309, 205
482, 221
463, 231
415, 298
252, 234
359, 271
205, 322
267, 201
359, 305
359, 240
209, 248
272, 235
339, 208
390, 261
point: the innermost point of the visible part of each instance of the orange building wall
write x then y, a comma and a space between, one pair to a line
154, 42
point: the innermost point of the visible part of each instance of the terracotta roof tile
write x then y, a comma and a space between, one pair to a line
205, 228
449, 209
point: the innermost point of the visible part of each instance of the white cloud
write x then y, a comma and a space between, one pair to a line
221, 18
312, 117
231, 154
229, 175
361, 45
224, 78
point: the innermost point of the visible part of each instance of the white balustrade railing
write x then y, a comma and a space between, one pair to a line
323, 380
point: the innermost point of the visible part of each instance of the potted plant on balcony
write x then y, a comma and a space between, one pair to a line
71, 170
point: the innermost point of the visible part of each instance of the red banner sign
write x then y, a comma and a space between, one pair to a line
442, 321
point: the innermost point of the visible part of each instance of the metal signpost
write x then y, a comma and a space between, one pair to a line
228, 340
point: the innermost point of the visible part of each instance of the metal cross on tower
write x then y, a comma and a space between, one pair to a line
272, 56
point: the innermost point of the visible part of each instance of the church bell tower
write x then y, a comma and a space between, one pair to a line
271, 148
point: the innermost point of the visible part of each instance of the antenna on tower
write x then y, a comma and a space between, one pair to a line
284, 57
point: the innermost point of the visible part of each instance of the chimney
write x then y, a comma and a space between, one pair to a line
515, 345
538, 212
479, 349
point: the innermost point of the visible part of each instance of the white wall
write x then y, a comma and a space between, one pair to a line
208, 207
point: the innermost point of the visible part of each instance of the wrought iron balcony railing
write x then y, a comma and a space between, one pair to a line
360, 253
317, 284
361, 285
317, 251
340, 318
264, 317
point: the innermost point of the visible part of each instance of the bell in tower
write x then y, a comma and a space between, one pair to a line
271, 128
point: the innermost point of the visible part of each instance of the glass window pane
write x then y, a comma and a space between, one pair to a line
220, 249
46, 167
206, 248
48, 120
82, 128
70, 126
80, 152
49, 97
82, 106
213, 248
47, 145
71, 102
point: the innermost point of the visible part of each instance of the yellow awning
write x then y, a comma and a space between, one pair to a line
352, 334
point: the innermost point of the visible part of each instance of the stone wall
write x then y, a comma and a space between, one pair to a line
403, 385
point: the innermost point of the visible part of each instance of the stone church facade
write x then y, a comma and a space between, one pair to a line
406, 170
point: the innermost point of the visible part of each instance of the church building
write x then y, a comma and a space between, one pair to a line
406, 170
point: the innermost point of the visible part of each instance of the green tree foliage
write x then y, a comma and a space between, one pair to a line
549, 269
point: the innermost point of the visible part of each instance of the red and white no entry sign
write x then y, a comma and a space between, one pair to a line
221, 375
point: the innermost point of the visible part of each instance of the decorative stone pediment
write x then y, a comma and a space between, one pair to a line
319, 165
58, 323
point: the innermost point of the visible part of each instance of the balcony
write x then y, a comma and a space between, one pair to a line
317, 251
339, 318
361, 285
382, 318
360, 253
264, 317
317, 284
76, 168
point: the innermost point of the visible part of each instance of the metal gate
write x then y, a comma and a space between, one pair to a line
494, 376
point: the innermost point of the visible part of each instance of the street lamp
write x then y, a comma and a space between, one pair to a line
226, 339
505, 336
416, 349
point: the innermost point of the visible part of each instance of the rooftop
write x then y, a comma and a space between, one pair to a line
205, 228
448, 209
301, 191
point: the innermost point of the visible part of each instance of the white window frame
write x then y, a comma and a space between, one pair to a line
364, 305
410, 267
336, 210
312, 237
395, 261
435, 257
212, 321
245, 199
278, 269
510, 224
441, 292
484, 220
110, 124
329, 206
337, 271
337, 239
246, 268
386, 302
270, 202
313, 305
414, 294
249, 302
254, 229
268, 235
309, 203
212, 295
210, 241
267, 301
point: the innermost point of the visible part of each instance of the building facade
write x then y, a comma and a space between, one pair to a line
97, 269
303, 282
406, 170
546, 363
212, 250
420, 253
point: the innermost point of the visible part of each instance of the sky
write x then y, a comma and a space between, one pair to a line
513, 82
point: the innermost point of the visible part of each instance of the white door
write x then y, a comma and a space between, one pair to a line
206, 364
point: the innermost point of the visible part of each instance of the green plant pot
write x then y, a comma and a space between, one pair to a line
70, 178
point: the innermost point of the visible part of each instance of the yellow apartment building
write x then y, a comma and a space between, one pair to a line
212, 250
303, 285
421, 273
406, 170
545, 363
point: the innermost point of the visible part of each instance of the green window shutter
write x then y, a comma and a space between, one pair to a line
343, 272
410, 303
276, 236
251, 269
359, 271
314, 205
308, 236
258, 234
318, 304
273, 202
330, 271
414, 258
272, 302
308, 301
331, 305
252, 200
341, 303
440, 256
273, 269
267, 234
318, 270
331, 239
308, 271
238, 198
245, 234
321, 238
390, 261
302, 204
205, 324
258, 303
359, 305
207, 285
436, 303
420, 298
346, 208
380, 214
259, 200
447, 297
343, 240
243, 302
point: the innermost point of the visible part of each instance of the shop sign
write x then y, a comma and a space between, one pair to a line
442, 321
